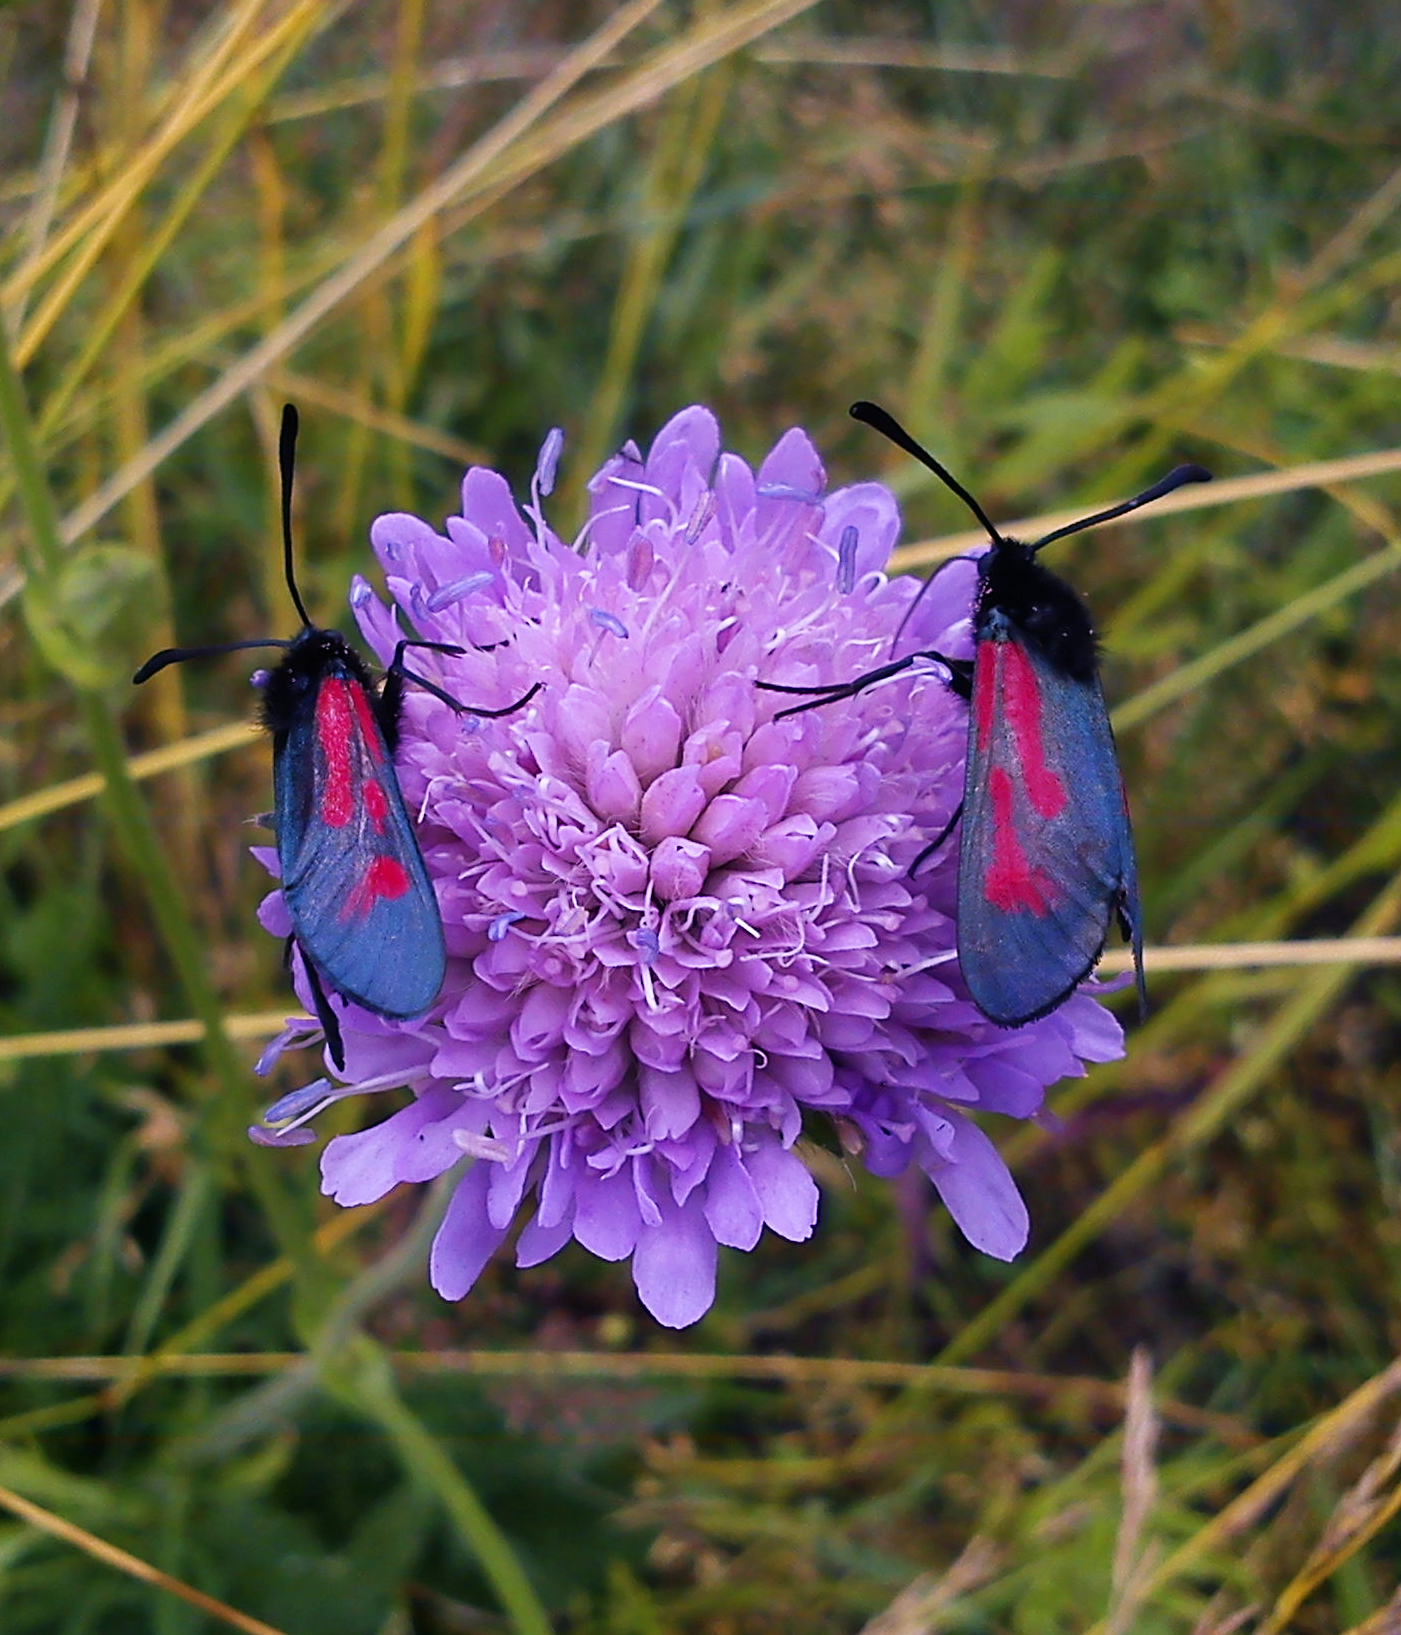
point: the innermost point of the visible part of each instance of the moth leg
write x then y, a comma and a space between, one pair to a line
829, 694
960, 676
1132, 932
939, 839
470, 709
324, 1014
398, 673
832, 689
392, 693
817, 696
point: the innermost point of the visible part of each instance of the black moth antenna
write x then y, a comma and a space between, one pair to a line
888, 426
286, 463
1176, 478
885, 423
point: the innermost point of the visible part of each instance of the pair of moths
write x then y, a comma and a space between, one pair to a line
1046, 861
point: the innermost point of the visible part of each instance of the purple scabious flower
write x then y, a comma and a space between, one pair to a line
678, 929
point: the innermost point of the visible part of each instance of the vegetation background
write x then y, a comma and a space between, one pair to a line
1069, 243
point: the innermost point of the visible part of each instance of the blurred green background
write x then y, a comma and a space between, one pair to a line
1068, 244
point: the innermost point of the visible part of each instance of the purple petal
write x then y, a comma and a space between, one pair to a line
672, 804
681, 460
940, 619
487, 503
732, 1208
870, 508
786, 1190
793, 462
359, 1168
1003, 1088
403, 541
613, 506
538, 1243
606, 1219
980, 1194
734, 501
679, 868
729, 826
670, 1102
652, 735
273, 915
1095, 1033
466, 1240
379, 625
674, 1266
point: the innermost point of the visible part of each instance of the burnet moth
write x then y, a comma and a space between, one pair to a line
1045, 862
362, 909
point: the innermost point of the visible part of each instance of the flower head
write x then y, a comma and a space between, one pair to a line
678, 928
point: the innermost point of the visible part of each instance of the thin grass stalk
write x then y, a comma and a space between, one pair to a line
1245, 644
401, 352
202, 95
1340, 1424
150, 763
155, 241
194, 1196
58, 143
1106, 1398
347, 1363
680, 151
165, 701
359, 266
477, 172
1258, 485
1360, 1515
927, 388
1223, 957
1300, 306
111, 1555
142, 1371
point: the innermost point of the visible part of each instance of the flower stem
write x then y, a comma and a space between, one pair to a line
362, 1375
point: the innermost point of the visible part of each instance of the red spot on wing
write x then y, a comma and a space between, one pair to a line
365, 720
1011, 883
376, 804
1011, 682
385, 879
345, 728
1023, 703
333, 709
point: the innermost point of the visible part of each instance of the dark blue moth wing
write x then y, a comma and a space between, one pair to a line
1046, 858
353, 878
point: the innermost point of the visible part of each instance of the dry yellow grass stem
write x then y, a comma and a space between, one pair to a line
214, 742
1109, 1398
133, 1566
1225, 491
1226, 956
